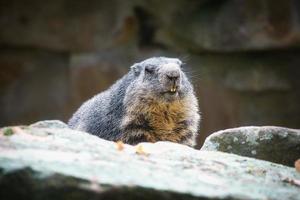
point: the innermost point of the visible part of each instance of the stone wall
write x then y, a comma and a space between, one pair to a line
241, 55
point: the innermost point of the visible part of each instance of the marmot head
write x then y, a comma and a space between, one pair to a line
162, 78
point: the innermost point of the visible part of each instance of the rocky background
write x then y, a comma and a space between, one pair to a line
242, 56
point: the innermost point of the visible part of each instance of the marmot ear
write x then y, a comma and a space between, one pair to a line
136, 68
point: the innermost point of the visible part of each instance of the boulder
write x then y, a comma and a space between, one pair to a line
49, 161
275, 144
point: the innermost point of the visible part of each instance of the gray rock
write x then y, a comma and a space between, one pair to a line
275, 144
49, 124
52, 163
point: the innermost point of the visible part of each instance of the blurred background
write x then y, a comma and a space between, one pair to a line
242, 55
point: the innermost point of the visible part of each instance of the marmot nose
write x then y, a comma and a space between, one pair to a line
173, 75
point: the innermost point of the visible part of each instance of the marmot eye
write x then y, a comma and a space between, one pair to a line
150, 68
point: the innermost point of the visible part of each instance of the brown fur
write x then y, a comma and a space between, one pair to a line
153, 120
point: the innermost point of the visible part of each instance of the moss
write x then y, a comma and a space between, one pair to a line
8, 131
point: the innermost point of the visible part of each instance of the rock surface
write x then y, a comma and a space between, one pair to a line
275, 144
49, 161
208, 26
231, 25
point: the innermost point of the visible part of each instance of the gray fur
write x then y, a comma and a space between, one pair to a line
104, 114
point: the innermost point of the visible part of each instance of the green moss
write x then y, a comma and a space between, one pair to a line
8, 131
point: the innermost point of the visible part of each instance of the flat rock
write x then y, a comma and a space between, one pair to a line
275, 144
53, 162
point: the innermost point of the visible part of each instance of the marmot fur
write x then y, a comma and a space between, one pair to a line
153, 102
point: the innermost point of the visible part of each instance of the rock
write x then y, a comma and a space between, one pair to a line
49, 124
199, 26
61, 25
59, 163
203, 26
33, 85
274, 144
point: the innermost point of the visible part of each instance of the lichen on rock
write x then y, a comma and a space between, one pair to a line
275, 144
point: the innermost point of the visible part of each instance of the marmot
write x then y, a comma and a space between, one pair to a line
153, 102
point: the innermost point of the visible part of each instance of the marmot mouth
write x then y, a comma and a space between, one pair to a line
171, 92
